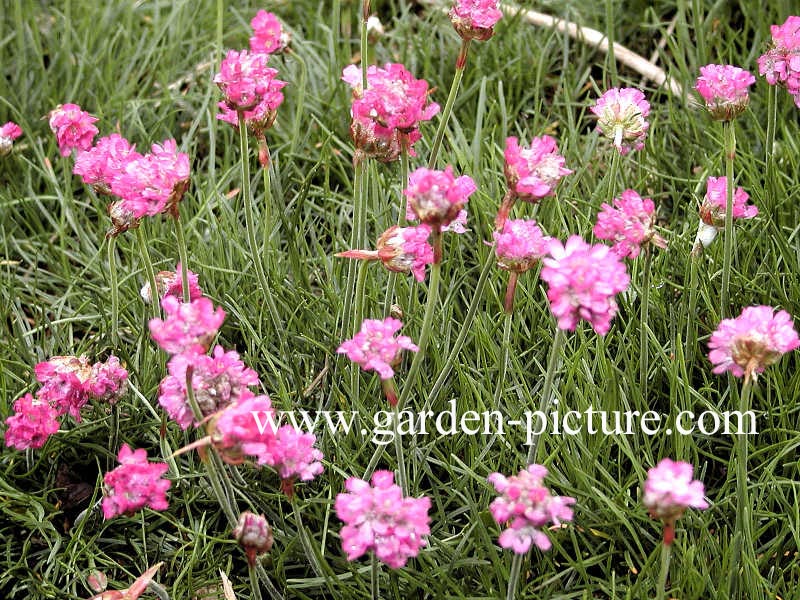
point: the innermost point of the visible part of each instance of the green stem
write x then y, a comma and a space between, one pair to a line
402, 477
148, 268
744, 522
375, 588
357, 240
666, 551
304, 539
612, 176
461, 65
513, 577
727, 258
547, 390
644, 355
267, 213
114, 282
358, 318
691, 315
364, 42
501, 376
183, 253
612, 60
300, 106
401, 222
254, 582
769, 145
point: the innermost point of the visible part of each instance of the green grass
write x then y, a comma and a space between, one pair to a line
145, 69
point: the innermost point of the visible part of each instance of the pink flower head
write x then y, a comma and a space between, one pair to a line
74, 128
376, 348
583, 281
65, 383
170, 283
217, 380
669, 490
529, 506
622, 118
629, 224
724, 89
8, 133
189, 327
437, 197
751, 342
245, 428
293, 455
254, 535
245, 81
475, 19
108, 381
134, 484
268, 34
520, 245
781, 63
532, 173
712, 210
33, 421
378, 518
406, 249
105, 160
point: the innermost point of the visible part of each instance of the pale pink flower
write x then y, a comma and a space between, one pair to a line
622, 118
583, 281
254, 534
629, 224
105, 160
376, 348
379, 519
217, 380
134, 484
400, 249
669, 490
8, 133
268, 34
532, 173
781, 63
245, 81
293, 455
520, 245
475, 19
74, 128
437, 197
528, 506
751, 342
724, 89
108, 381
65, 383
245, 428
712, 210
189, 327
33, 421
170, 283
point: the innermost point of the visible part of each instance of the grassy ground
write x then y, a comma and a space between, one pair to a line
145, 70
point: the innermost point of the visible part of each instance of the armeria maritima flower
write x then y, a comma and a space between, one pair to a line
8, 133
108, 380
189, 327
33, 421
527, 505
64, 382
268, 36
669, 490
293, 456
170, 283
781, 63
254, 534
379, 519
74, 128
376, 348
532, 173
582, 282
437, 197
629, 224
475, 19
134, 484
751, 342
104, 161
520, 245
245, 429
715, 203
400, 249
245, 79
724, 89
622, 118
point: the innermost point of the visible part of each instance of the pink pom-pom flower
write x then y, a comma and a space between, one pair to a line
520, 245
8, 133
725, 90
189, 327
107, 159
437, 197
33, 421
134, 484
622, 118
170, 283
74, 128
475, 19
629, 224
376, 348
781, 63
268, 36
400, 249
532, 173
669, 490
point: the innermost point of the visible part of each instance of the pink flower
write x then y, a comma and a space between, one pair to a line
153, 183
246, 428
293, 456
475, 19
669, 490
532, 173
108, 381
715, 202
401, 250
781, 63
105, 160
189, 327
724, 89
583, 281
751, 342
73, 127
65, 383
170, 283
33, 422
268, 34
246, 81
217, 380
520, 246
254, 535
378, 518
529, 506
134, 484
630, 224
437, 197
622, 118
8, 133
375, 347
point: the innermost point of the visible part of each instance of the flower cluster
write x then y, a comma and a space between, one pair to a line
33, 421
529, 506
379, 519
532, 173
438, 197
622, 118
781, 63
583, 281
400, 249
712, 210
669, 490
475, 19
134, 484
189, 327
170, 283
8, 133
74, 128
630, 224
268, 37
724, 89
105, 161
376, 348
254, 534
520, 245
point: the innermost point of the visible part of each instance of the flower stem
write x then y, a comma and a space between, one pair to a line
114, 282
183, 253
691, 315
727, 257
148, 268
375, 588
666, 551
401, 222
461, 65
357, 240
402, 477
769, 143
254, 582
744, 523
644, 356
547, 391
300, 101
513, 577
364, 42
501, 376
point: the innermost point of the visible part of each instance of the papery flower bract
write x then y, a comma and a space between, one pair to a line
669, 490
724, 89
170, 283
122, 219
781, 63
105, 160
715, 202
65, 383
437, 197
754, 340
622, 118
254, 534
189, 327
245, 428
108, 381
378, 518
532, 173
245, 80
629, 224
400, 249
582, 282
73, 127
268, 34
520, 245
376, 348
33, 421
217, 381
475, 19
8, 133
529, 506
134, 484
